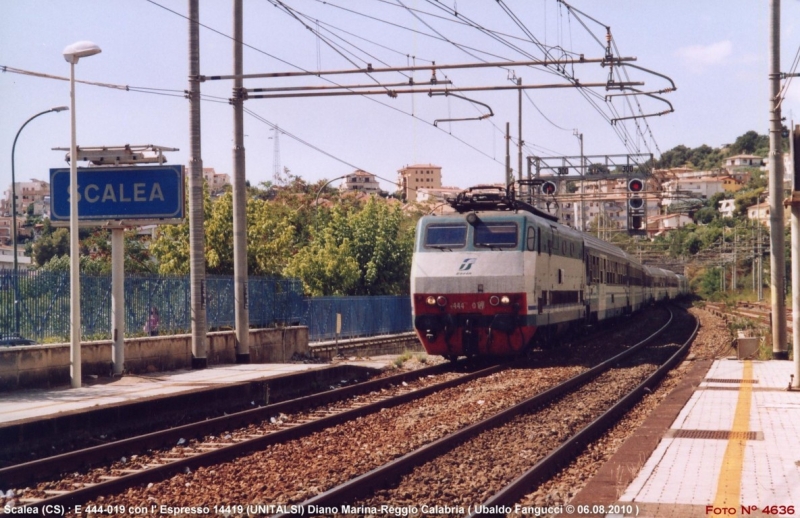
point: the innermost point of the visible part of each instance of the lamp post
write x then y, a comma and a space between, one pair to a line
319, 192
72, 54
14, 216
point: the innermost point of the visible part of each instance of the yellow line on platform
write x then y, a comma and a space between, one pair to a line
730, 475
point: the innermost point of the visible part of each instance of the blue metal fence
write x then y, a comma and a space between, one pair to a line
44, 306
361, 316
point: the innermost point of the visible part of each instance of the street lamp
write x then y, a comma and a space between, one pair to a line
14, 216
72, 54
316, 199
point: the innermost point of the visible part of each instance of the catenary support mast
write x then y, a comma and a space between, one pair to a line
239, 197
776, 238
197, 257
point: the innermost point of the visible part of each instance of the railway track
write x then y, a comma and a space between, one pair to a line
358, 400
189, 457
758, 312
471, 456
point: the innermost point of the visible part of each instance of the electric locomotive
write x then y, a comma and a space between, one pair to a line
499, 274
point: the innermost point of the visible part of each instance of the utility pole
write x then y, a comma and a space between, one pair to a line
760, 260
197, 259
733, 274
795, 204
777, 247
519, 132
583, 184
239, 197
276, 153
753, 263
509, 177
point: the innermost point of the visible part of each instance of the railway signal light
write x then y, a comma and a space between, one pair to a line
549, 188
636, 204
635, 185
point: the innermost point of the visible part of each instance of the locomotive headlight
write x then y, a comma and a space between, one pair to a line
431, 300
494, 300
441, 301
505, 300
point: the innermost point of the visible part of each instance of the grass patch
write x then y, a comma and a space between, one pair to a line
400, 360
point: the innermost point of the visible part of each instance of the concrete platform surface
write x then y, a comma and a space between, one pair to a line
25, 405
732, 451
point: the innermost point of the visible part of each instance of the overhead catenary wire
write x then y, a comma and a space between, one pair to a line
394, 108
586, 94
462, 141
219, 100
620, 131
441, 36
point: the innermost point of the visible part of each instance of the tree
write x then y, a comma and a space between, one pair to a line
359, 251
326, 267
751, 143
744, 199
705, 215
50, 245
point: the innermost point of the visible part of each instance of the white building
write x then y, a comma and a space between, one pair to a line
660, 224
7, 258
360, 181
27, 193
743, 161
727, 207
699, 188
759, 212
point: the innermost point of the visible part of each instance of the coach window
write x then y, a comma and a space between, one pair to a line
442, 236
531, 240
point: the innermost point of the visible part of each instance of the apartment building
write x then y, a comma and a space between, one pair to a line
27, 193
361, 181
216, 181
411, 178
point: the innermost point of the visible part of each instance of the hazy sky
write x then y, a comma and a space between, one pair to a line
714, 50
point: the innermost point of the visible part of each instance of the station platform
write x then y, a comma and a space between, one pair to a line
113, 406
731, 451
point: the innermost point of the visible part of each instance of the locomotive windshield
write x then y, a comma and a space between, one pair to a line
496, 235
446, 236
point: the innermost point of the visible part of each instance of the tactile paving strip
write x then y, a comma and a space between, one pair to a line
728, 380
714, 434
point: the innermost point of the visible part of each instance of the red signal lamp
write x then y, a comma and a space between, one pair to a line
635, 185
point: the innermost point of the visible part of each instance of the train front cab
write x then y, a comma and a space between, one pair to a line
468, 284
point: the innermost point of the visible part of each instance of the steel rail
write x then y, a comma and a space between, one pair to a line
30, 471
359, 342
362, 484
570, 448
230, 451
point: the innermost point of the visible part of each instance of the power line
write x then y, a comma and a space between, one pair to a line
330, 81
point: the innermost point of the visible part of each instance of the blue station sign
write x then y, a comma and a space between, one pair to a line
120, 193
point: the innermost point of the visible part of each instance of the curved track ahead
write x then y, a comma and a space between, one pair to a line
364, 485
